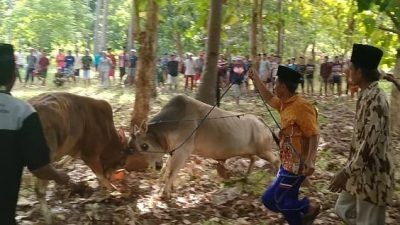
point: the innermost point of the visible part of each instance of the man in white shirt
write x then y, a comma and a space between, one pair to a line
189, 71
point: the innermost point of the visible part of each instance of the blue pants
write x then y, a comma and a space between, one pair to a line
283, 197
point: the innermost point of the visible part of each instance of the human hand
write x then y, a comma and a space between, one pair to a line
389, 77
339, 182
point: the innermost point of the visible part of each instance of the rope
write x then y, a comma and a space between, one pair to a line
201, 121
188, 120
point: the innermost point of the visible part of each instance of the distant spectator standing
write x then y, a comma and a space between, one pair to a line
123, 61
69, 65
301, 68
264, 68
44, 63
236, 77
105, 65
173, 67
130, 80
309, 75
325, 73
111, 56
97, 60
60, 60
20, 59
199, 66
189, 71
336, 73
78, 63
86, 66
31, 62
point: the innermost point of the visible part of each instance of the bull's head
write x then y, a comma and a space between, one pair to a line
144, 148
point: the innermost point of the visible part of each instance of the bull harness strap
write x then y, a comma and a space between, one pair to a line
201, 121
276, 138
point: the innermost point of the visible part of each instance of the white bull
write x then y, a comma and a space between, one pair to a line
222, 136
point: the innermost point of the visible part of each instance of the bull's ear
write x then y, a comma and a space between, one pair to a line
122, 136
143, 127
136, 130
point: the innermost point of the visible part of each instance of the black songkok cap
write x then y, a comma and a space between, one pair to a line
286, 74
366, 56
7, 62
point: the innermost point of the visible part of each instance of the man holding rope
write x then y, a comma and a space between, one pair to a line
298, 145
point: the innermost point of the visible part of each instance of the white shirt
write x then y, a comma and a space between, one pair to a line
189, 67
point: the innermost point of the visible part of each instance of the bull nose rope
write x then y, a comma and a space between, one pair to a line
201, 121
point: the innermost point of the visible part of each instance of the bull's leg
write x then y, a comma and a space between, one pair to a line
177, 161
270, 157
251, 166
221, 170
40, 190
95, 164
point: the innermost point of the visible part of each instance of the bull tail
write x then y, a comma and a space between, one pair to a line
276, 138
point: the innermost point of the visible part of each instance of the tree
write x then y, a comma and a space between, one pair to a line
254, 32
392, 10
146, 65
207, 89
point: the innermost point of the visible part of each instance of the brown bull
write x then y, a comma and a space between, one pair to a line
222, 136
79, 127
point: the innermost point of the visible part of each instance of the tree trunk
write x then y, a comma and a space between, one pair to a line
261, 27
253, 34
179, 46
134, 27
394, 100
207, 89
146, 66
97, 25
279, 49
105, 25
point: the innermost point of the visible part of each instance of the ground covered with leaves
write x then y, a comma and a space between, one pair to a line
200, 195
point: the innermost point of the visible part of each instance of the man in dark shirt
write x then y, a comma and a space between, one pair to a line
69, 65
309, 75
130, 79
325, 72
21, 139
172, 68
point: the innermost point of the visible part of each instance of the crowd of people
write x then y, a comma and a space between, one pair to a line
69, 66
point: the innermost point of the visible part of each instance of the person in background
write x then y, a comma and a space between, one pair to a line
123, 60
22, 141
199, 66
264, 68
189, 71
336, 74
111, 56
31, 62
86, 66
298, 146
301, 68
44, 63
105, 65
130, 80
78, 64
173, 67
97, 60
20, 62
309, 75
236, 77
325, 73
69, 65
366, 182
60, 60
